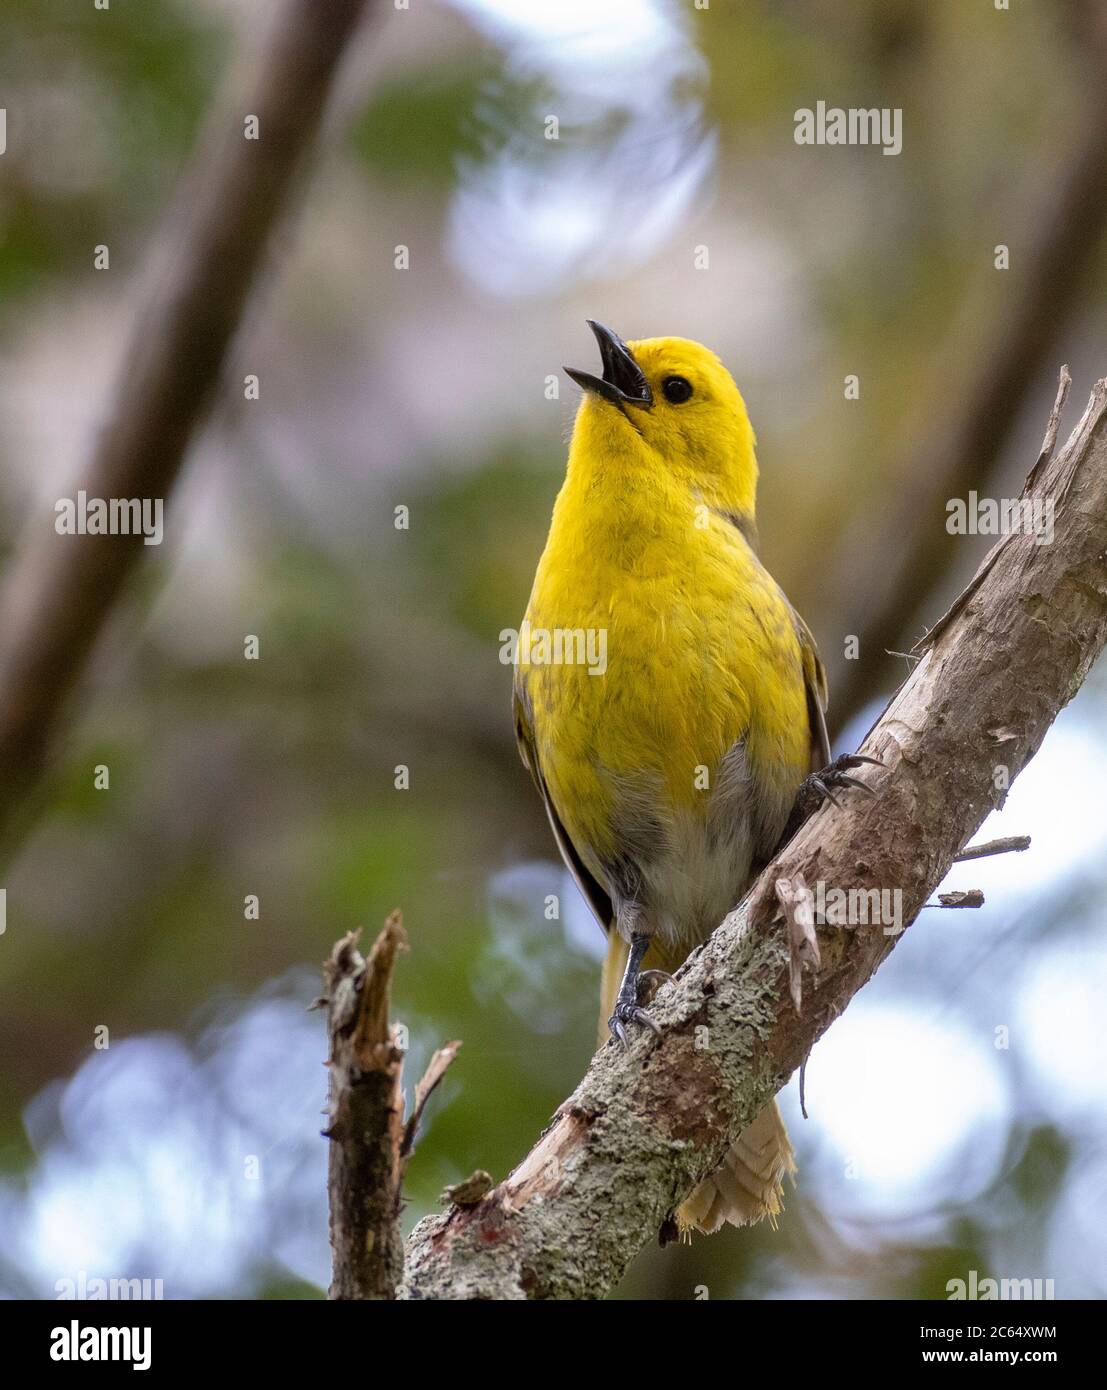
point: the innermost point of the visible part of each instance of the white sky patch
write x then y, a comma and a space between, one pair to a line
576, 39
1059, 802
146, 1155
1059, 1023
624, 82
899, 1096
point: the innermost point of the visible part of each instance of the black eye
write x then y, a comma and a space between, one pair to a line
677, 389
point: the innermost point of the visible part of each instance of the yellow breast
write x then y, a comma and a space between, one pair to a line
694, 649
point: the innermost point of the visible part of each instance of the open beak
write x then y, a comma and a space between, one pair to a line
622, 382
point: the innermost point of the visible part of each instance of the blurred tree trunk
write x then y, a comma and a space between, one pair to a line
64, 587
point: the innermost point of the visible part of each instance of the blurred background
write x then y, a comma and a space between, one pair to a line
958, 1111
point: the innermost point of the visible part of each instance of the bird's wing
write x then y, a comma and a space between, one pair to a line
814, 682
594, 895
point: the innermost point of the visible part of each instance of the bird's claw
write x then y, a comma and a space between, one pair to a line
629, 1013
823, 785
836, 774
820, 787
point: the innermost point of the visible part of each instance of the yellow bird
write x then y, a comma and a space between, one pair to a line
668, 699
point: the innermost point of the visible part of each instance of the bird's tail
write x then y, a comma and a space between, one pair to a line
750, 1183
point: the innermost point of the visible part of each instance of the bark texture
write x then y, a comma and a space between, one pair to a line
366, 1128
370, 1140
645, 1126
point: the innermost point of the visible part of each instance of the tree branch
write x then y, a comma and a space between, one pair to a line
366, 1127
1007, 844
645, 1126
370, 1141
59, 597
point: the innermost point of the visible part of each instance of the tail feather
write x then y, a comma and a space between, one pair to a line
750, 1183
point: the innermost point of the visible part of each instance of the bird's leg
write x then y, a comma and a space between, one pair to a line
820, 787
627, 1009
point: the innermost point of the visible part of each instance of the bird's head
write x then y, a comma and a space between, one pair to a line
669, 403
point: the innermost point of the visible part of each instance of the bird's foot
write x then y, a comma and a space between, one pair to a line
628, 1009
629, 1013
821, 786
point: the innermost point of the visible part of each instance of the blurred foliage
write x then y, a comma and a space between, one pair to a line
467, 553
103, 107
415, 130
